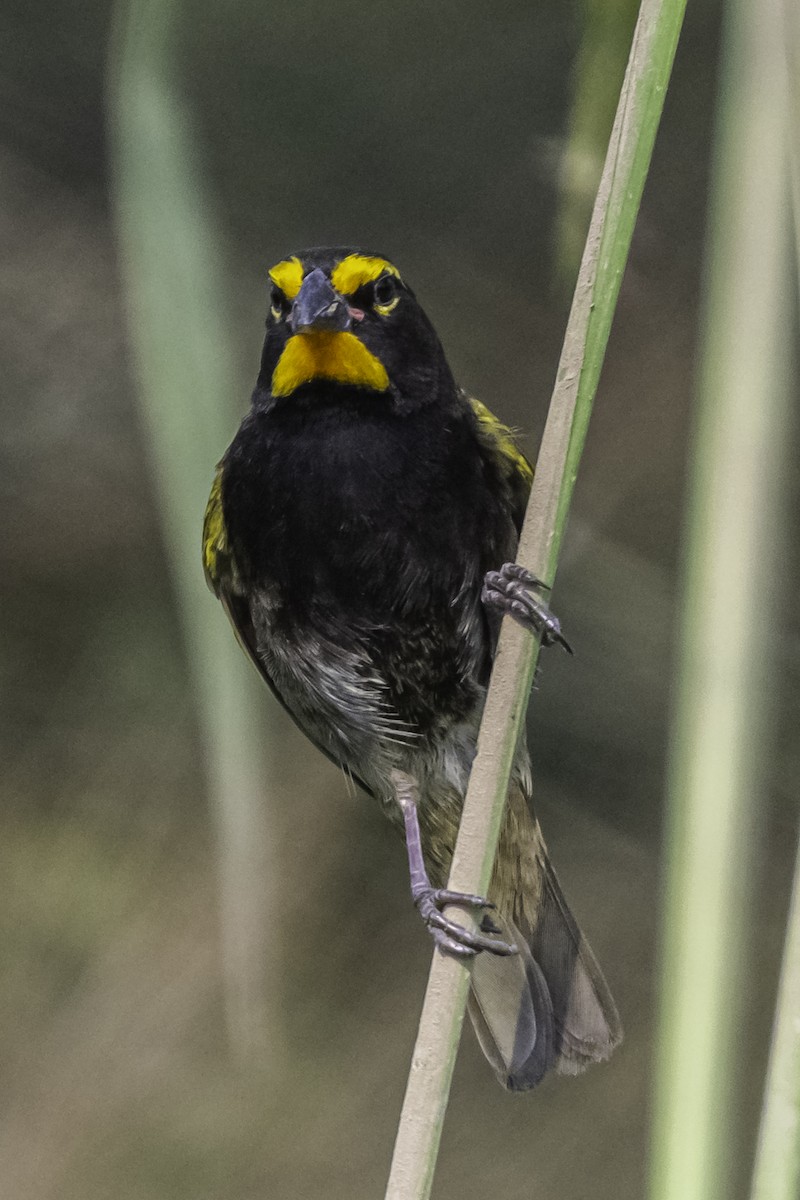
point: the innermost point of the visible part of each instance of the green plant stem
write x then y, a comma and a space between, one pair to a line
172, 269
791, 34
776, 1175
641, 100
777, 1167
719, 721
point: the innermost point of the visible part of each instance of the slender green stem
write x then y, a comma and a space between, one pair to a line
720, 706
627, 161
173, 274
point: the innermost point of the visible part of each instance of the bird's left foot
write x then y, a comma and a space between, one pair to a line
509, 590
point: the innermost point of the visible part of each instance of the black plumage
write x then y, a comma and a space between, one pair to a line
349, 531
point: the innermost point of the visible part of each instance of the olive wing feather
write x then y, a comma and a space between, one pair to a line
499, 445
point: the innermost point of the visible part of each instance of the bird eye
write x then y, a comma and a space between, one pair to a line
279, 304
384, 295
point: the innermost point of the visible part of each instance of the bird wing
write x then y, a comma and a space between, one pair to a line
499, 448
223, 578
499, 444
218, 562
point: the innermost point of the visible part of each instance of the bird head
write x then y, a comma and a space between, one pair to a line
345, 319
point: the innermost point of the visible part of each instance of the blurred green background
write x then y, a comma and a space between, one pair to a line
461, 140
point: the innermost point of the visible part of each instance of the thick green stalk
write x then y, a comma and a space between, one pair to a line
777, 1168
172, 269
720, 707
776, 1175
627, 161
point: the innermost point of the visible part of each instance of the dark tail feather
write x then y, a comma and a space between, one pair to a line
548, 1006
587, 1024
512, 1013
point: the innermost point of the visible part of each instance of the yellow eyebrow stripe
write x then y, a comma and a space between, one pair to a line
288, 276
357, 269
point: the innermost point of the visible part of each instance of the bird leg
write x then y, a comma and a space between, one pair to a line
448, 935
509, 590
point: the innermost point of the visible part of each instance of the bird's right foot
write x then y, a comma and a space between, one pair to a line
448, 935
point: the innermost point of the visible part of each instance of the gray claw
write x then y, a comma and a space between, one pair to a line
514, 571
448, 946
443, 896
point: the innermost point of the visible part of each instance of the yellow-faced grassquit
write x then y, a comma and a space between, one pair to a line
360, 534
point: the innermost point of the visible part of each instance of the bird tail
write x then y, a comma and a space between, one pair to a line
547, 1007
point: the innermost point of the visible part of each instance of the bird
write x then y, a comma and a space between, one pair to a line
361, 533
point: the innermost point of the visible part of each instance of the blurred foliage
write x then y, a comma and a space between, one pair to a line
734, 542
172, 268
433, 133
597, 78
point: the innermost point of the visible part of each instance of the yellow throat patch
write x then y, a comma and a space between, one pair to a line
323, 354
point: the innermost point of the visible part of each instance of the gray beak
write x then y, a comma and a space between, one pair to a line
318, 306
